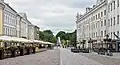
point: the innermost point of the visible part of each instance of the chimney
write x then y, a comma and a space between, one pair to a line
88, 9
94, 6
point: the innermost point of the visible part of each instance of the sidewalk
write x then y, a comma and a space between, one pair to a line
115, 55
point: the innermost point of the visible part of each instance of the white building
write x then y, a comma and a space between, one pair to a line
10, 20
23, 26
31, 31
98, 21
19, 20
16, 25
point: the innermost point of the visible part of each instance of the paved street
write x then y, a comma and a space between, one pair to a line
50, 57
69, 58
61, 56
103, 59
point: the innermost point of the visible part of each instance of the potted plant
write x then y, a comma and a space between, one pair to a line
2, 52
34, 49
28, 48
21, 48
13, 50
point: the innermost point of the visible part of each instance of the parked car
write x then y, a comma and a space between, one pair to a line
75, 50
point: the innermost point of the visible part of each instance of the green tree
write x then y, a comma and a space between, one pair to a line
62, 35
47, 36
48, 31
41, 35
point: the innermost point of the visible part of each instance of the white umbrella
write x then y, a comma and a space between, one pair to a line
5, 38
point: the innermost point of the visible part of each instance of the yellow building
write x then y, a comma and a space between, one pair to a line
1, 18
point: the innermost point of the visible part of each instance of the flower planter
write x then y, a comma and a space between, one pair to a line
28, 50
21, 51
33, 49
13, 51
1, 53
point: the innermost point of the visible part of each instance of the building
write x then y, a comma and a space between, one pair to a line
16, 24
23, 26
36, 32
31, 32
27, 29
98, 21
9, 21
19, 18
1, 18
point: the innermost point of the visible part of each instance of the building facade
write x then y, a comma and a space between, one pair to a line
1, 18
36, 32
10, 20
31, 32
100, 20
16, 24
23, 26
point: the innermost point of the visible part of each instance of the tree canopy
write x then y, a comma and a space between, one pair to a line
47, 36
66, 38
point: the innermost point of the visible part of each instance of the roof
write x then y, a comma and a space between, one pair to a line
10, 7
23, 15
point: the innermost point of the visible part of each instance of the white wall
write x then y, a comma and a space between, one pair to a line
10, 21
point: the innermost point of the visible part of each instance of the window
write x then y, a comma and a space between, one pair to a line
114, 35
111, 6
96, 34
111, 21
118, 33
117, 3
108, 8
105, 32
117, 19
108, 22
101, 33
114, 4
104, 12
96, 17
96, 25
101, 14
101, 23
114, 20
104, 22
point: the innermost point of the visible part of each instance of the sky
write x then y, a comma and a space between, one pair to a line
55, 15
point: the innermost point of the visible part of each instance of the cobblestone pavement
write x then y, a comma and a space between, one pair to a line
51, 57
61, 56
69, 58
105, 60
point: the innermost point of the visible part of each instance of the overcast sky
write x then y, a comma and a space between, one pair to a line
55, 15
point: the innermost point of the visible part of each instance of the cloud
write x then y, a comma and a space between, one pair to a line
55, 15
